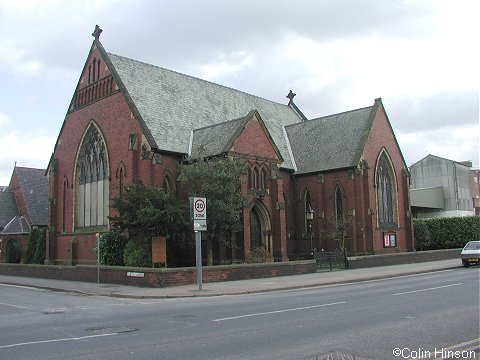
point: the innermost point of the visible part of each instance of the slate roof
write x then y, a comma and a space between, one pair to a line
171, 105
216, 139
34, 187
330, 142
17, 225
8, 208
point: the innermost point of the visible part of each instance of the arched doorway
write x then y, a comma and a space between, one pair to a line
261, 230
13, 252
255, 230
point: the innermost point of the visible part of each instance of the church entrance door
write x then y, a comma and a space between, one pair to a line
261, 232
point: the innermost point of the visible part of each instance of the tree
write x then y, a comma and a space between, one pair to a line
218, 180
35, 249
339, 228
145, 212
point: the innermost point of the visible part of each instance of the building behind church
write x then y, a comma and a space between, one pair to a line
23, 207
130, 120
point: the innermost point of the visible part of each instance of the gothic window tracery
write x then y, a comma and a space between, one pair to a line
92, 181
386, 192
308, 208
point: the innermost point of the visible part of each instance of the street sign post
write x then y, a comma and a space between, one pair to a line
199, 209
199, 216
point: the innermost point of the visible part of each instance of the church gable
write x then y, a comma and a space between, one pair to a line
255, 140
381, 136
96, 81
245, 136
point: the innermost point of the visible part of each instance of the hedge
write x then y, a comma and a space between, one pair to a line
445, 233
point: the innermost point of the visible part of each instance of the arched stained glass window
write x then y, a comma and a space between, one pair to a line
308, 209
93, 183
386, 192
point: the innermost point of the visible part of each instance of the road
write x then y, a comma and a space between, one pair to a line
422, 315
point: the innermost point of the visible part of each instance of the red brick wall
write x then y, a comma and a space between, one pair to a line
382, 137
116, 122
359, 200
322, 191
254, 142
160, 277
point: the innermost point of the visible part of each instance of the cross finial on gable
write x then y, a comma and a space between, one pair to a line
96, 33
291, 95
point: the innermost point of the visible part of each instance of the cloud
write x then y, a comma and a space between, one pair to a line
457, 143
34, 152
4, 120
226, 64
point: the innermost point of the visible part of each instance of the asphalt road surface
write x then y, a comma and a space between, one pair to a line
426, 316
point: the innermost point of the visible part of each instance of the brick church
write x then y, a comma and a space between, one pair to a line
130, 120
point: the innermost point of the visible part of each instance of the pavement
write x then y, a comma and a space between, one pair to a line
321, 278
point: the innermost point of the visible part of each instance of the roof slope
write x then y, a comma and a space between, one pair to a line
171, 105
216, 139
330, 142
34, 187
17, 225
8, 208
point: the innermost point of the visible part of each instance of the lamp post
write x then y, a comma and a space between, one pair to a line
309, 214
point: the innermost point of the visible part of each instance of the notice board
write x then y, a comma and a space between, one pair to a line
159, 250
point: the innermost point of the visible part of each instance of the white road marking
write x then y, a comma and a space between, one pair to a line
428, 289
278, 311
56, 340
16, 306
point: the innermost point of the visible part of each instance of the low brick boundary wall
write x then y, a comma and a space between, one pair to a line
403, 258
159, 277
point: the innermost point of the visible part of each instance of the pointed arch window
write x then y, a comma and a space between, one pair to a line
308, 209
64, 203
386, 192
249, 178
263, 179
338, 205
256, 177
166, 185
92, 186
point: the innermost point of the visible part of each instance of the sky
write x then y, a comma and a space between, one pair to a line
420, 56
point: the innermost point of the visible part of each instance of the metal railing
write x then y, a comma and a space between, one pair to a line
336, 259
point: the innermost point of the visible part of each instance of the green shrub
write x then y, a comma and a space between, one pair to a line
138, 252
422, 235
40, 250
35, 249
450, 233
30, 249
112, 246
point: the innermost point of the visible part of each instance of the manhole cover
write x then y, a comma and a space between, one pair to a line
111, 330
335, 355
